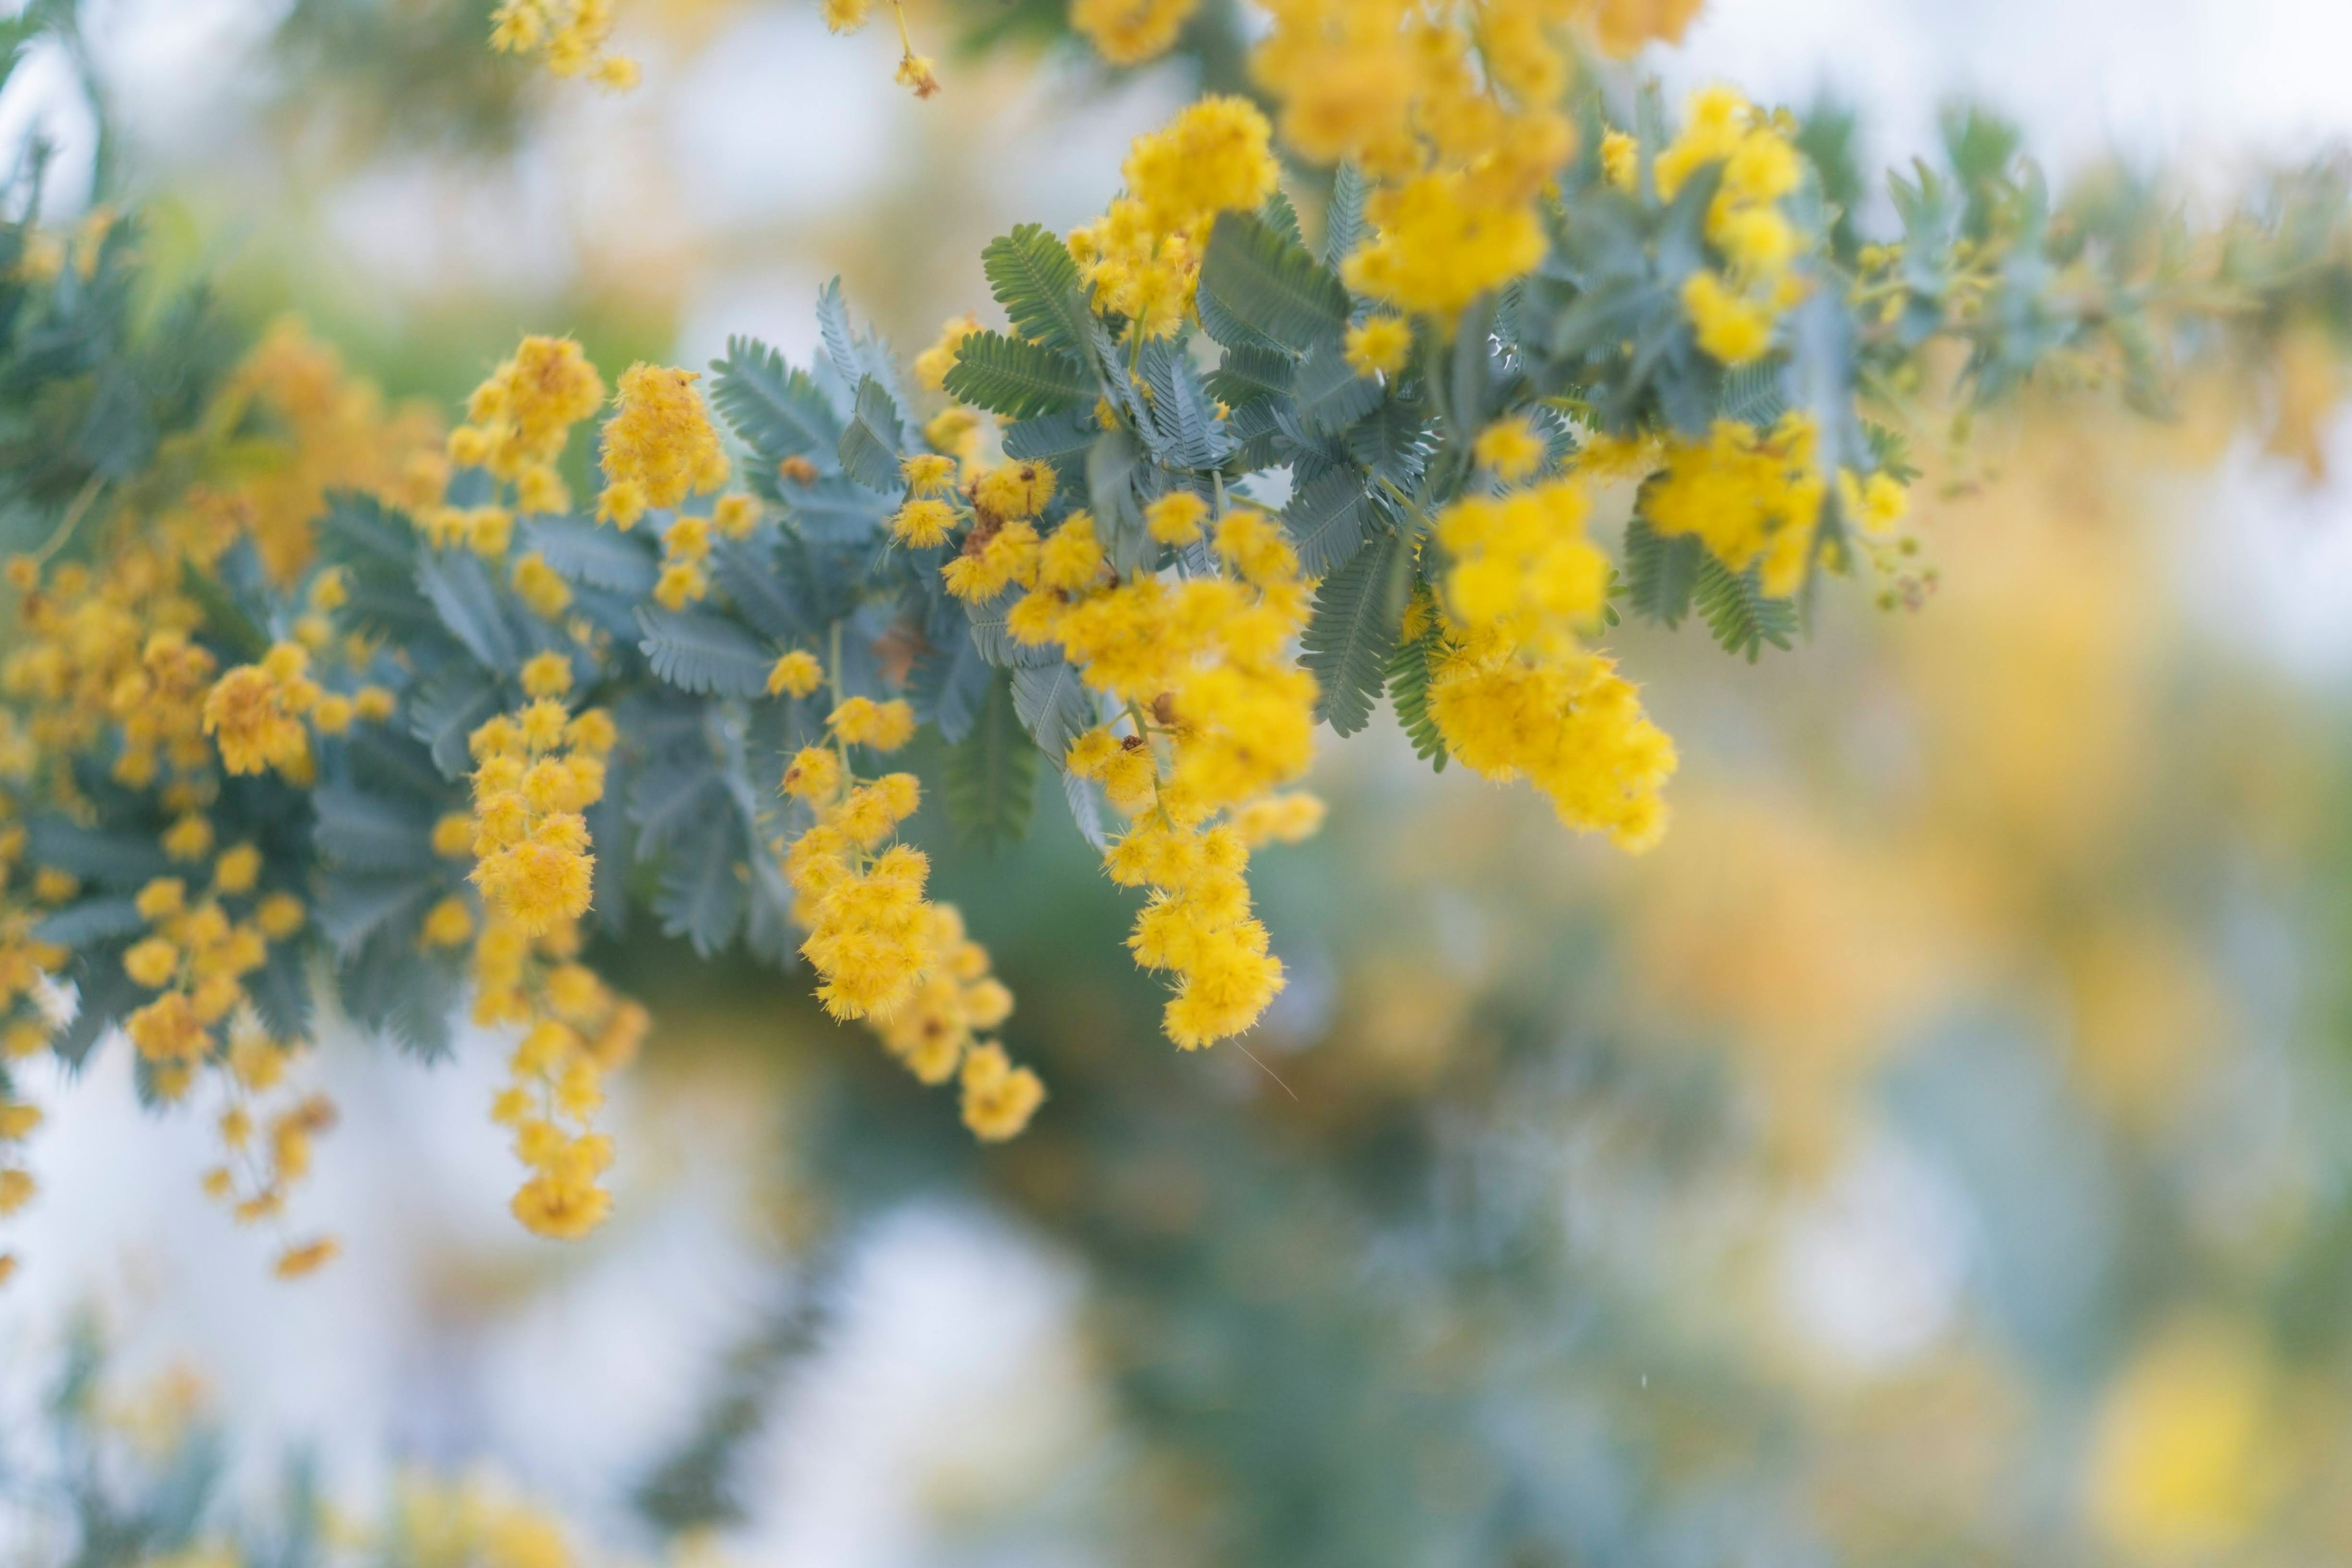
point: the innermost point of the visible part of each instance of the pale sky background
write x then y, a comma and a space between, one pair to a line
958, 1350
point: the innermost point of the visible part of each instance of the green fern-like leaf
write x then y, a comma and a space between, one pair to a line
1359, 611
91, 920
1054, 704
93, 854
990, 779
703, 889
1032, 274
449, 705
1192, 435
1017, 379
1272, 286
1737, 613
583, 552
779, 412
360, 831
1247, 374
1343, 216
1660, 573
1892, 450
1409, 671
869, 445
698, 651
1754, 394
1327, 518
458, 587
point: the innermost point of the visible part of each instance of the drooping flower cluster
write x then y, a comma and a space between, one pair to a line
537, 771
916, 73
1218, 718
106, 679
199, 951
1752, 497
1142, 258
1734, 309
25, 1031
1129, 32
567, 36
329, 431
521, 418
660, 447
1566, 723
265, 1146
105, 662
882, 951
1512, 688
1457, 118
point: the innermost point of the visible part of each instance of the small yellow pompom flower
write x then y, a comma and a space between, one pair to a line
1380, 345
1176, 517
927, 473
999, 1098
449, 923
796, 674
547, 675
238, 870
1511, 447
1014, 490
923, 522
885, 726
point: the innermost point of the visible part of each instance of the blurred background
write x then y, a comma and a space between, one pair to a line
1937, 1153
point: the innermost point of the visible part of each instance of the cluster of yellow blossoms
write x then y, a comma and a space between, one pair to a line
106, 656
103, 667
1143, 257
1755, 497
268, 1150
1750, 496
329, 431
520, 419
1734, 311
196, 956
1218, 718
255, 714
659, 447
1129, 32
916, 73
24, 1028
1457, 120
881, 950
537, 771
1513, 690
568, 35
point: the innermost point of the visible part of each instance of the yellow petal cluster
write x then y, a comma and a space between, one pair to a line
1566, 721
660, 447
519, 420
1522, 567
567, 36
1130, 32
1141, 258
1455, 116
1219, 717
1753, 497
102, 660
536, 771
253, 713
1735, 309
882, 951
